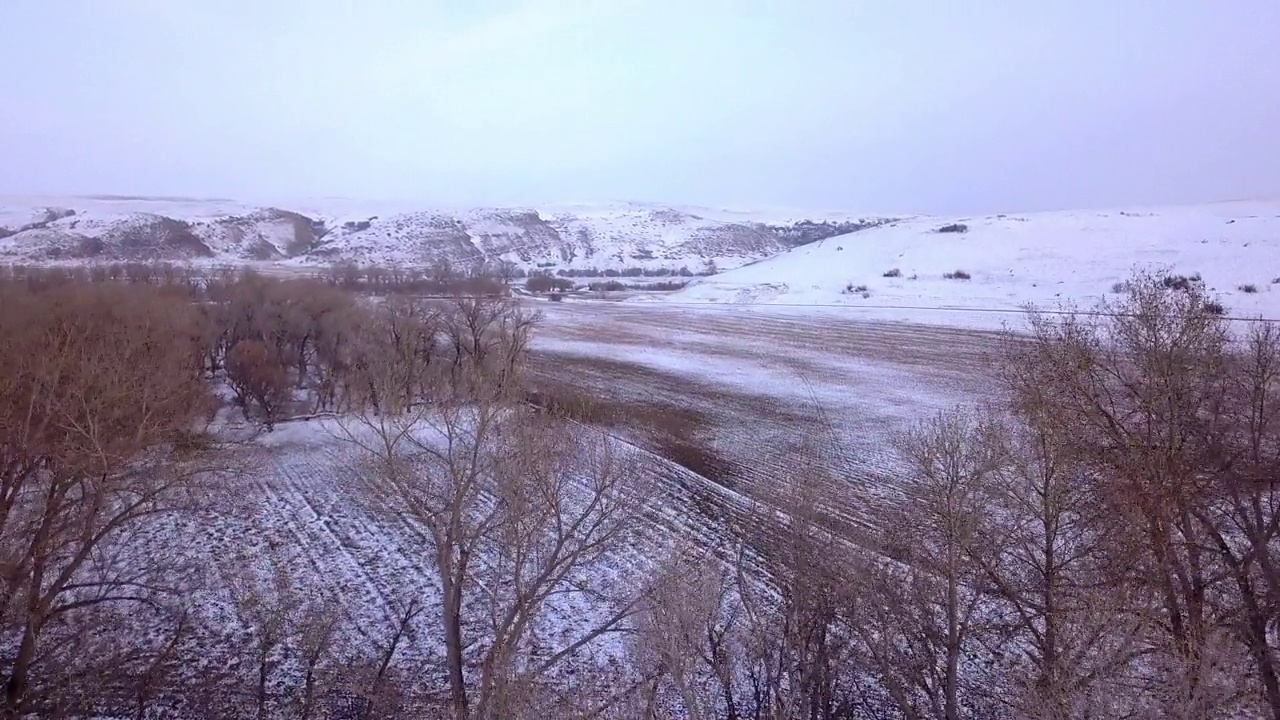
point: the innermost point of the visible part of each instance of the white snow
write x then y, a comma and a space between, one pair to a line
1049, 259
605, 236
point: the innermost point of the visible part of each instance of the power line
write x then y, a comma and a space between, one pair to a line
931, 308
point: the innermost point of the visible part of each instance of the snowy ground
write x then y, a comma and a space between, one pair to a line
737, 396
292, 500
1044, 258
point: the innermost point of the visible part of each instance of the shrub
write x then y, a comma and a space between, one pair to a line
1213, 307
546, 283
1248, 288
851, 289
953, 228
957, 275
606, 286
1181, 282
658, 286
895, 272
1120, 287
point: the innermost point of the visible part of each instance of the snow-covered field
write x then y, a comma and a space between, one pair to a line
291, 514
1043, 258
738, 396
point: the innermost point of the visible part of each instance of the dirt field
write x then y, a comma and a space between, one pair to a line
736, 397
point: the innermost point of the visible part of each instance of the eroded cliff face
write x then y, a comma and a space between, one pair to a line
578, 240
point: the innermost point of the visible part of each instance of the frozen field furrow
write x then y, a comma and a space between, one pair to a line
294, 505
758, 392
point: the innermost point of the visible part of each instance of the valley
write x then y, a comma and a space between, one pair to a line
388, 477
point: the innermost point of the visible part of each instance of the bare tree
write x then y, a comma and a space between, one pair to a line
517, 506
923, 621
1144, 399
162, 665
489, 338
259, 378
269, 608
317, 630
378, 696
798, 661
507, 271
1071, 642
512, 523
681, 639
96, 385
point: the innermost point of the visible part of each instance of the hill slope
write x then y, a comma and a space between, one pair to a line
1045, 258
577, 238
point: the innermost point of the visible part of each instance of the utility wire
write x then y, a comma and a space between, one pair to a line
931, 308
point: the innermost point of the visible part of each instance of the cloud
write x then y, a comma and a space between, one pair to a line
909, 105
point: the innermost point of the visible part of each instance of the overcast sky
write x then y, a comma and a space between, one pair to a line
878, 105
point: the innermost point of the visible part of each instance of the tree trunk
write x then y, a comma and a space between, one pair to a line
16, 688
1255, 636
453, 649
953, 644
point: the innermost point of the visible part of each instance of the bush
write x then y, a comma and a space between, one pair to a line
1181, 282
606, 286
892, 273
660, 286
953, 228
1213, 307
957, 275
851, 289
1120, 288
546, 283
1248, 288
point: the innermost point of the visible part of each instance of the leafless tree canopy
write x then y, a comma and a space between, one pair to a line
100, 394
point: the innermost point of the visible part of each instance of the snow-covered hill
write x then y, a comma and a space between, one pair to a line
580, 238
1044, 258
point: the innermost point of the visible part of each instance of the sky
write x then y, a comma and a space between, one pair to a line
877, 105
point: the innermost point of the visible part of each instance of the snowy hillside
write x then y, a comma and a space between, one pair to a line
1045, 258
581, 238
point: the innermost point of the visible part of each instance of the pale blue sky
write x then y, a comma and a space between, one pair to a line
875, 105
